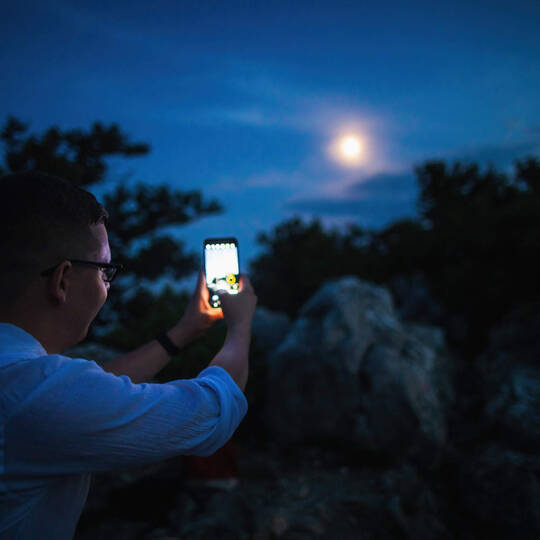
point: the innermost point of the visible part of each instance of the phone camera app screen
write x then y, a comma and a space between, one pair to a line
221, 262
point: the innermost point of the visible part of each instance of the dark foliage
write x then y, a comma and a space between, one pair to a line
476, 242
75, 155
485, 230
298, 258
140, 219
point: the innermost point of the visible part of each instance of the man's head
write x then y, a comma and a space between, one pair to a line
45, 222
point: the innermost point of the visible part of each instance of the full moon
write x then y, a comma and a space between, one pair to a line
349, 150
350, 146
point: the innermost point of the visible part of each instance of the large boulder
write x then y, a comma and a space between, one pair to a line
414, 299
269, 328
351, 373
509, 372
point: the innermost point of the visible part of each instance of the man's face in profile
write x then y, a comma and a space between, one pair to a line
89, 291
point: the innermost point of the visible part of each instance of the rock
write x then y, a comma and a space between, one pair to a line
279, 525
114, 528
304, 501
269, 328
414, 299
226, 516
510, 376
160, 534
432, 336
413, 505
350, 372
515, 409
500, 491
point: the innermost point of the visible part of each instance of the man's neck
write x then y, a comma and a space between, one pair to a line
42, 328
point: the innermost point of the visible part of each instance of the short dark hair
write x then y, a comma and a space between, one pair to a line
44, 219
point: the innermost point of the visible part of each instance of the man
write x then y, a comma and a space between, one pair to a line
62, 418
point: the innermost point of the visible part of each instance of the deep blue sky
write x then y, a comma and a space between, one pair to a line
242, 99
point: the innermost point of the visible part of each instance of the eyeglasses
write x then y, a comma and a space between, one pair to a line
109, 270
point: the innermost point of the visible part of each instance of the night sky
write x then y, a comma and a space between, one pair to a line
246, 100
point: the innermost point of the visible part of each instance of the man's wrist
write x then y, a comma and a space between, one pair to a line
239, 329
164, 340
238, 337
182, 334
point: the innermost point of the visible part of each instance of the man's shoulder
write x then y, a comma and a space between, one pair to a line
21, 378
45, 364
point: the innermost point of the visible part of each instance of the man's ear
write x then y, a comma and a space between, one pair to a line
59, 281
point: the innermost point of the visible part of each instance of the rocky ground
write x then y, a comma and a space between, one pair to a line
310, 493
376, 431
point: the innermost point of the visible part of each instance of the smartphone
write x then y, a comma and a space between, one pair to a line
221, 267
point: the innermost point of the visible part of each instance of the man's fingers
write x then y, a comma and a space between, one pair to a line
201, 290
245, 283
245, 289
200, 281
221, 293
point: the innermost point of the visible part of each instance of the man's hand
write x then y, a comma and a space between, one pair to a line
199, 315
238, 309
143, 363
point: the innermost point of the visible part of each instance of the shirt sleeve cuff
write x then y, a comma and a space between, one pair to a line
233, 404
222, 378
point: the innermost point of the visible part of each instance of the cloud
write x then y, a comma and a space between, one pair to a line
384, 186
248, 116
368, 213
323, 115
373, 202
292, 179
283, 182
263, 96
502, 156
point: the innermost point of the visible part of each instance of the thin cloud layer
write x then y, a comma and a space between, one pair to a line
501, 156
372, 202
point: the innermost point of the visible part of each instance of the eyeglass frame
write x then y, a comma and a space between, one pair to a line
100, 265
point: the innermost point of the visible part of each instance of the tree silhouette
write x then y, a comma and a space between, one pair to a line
138, 216
485, 229
73, 154
475, 242
297, 258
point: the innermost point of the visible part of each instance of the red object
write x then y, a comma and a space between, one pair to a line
220, 465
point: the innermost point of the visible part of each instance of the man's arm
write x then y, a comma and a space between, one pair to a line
238, 311
144, 363
81, 419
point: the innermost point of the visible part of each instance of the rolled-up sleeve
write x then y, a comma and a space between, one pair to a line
83, 419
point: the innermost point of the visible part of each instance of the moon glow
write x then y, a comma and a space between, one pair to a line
349, 150
350, 146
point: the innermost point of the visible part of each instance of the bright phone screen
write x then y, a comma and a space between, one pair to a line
221, 267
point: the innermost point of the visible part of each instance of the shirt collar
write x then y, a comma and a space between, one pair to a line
15, 341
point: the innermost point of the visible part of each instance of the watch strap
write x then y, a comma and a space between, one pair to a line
164, 340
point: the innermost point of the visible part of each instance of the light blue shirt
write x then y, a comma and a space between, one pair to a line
64, 418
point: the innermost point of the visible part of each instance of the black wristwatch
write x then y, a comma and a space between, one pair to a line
164, 340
